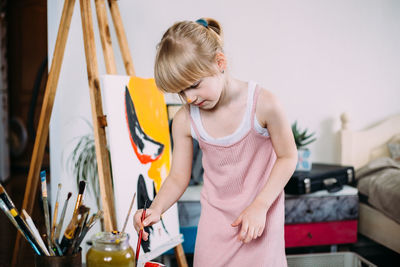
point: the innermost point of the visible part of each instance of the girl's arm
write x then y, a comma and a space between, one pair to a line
179, 176
271, 115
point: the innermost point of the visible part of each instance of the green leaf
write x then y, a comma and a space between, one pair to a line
302, 137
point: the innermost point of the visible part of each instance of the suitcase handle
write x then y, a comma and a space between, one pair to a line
332, 185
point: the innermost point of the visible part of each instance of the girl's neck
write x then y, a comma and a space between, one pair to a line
231, 92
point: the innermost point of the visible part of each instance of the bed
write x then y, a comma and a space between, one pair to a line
360, 149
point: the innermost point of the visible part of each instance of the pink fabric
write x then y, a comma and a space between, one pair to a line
233, 176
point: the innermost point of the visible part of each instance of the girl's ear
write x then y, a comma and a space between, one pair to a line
221, 61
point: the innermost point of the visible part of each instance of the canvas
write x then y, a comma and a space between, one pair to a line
140, 150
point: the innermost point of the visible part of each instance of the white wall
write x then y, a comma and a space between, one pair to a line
319, 57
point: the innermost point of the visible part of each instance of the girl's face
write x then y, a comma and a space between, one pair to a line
204, 93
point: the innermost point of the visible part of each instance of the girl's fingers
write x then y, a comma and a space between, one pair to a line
243, 231
255, 234
149, 218
137, 219
237, 222
260, 232
250, 234
145, 235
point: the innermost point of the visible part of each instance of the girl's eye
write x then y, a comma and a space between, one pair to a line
195, 85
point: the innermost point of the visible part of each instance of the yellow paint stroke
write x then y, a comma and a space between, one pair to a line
151, 111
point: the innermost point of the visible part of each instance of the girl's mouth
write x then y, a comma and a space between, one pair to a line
201, 103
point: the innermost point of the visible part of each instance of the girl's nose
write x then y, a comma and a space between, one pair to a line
190, 97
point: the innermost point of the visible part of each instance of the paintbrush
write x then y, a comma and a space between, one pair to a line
8, 213
81, 232
69, 234
83, 216
22, 226
61, 222
82, 185
129, 213
46, 211
53, 227
141, 232
35, 231
59, 250
70, 231
87, 227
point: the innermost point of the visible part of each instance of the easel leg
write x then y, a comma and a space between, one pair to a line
180, 256
45, 114
99, 122
105, 37
122, 40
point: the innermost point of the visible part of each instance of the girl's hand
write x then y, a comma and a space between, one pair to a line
152, 217
252, 220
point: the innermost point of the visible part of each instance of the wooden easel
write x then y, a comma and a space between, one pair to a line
99, 120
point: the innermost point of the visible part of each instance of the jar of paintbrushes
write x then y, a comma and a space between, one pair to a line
110, 249
65, 250
55, 249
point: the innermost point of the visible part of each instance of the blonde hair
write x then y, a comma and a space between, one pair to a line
186, 53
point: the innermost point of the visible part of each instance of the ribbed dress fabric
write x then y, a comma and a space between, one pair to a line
233, 176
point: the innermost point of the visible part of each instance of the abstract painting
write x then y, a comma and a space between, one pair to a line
140, 149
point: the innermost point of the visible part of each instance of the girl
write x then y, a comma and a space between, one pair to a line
248, 149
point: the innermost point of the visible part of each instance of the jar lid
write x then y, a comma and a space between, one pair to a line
114, 238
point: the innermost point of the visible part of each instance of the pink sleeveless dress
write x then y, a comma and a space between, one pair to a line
234, 173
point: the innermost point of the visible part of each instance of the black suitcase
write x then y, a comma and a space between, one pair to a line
322, 176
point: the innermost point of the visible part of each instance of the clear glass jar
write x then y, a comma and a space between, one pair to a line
110, 249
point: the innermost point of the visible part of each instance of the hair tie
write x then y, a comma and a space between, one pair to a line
202, 22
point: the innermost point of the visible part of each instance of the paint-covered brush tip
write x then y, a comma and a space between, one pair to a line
42, 174
82, 185
83, 209
69, 195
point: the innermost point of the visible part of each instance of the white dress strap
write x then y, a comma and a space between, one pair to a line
244, 127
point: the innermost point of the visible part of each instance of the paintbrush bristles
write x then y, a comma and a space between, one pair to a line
2, 189
82, 185
69, 195
83, 209
79, 198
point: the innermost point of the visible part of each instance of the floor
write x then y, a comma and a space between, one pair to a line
365, 247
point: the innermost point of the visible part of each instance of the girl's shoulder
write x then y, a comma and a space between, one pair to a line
181, 121
266, 100
268, 105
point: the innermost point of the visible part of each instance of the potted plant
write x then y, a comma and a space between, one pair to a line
82, 162
303, 138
